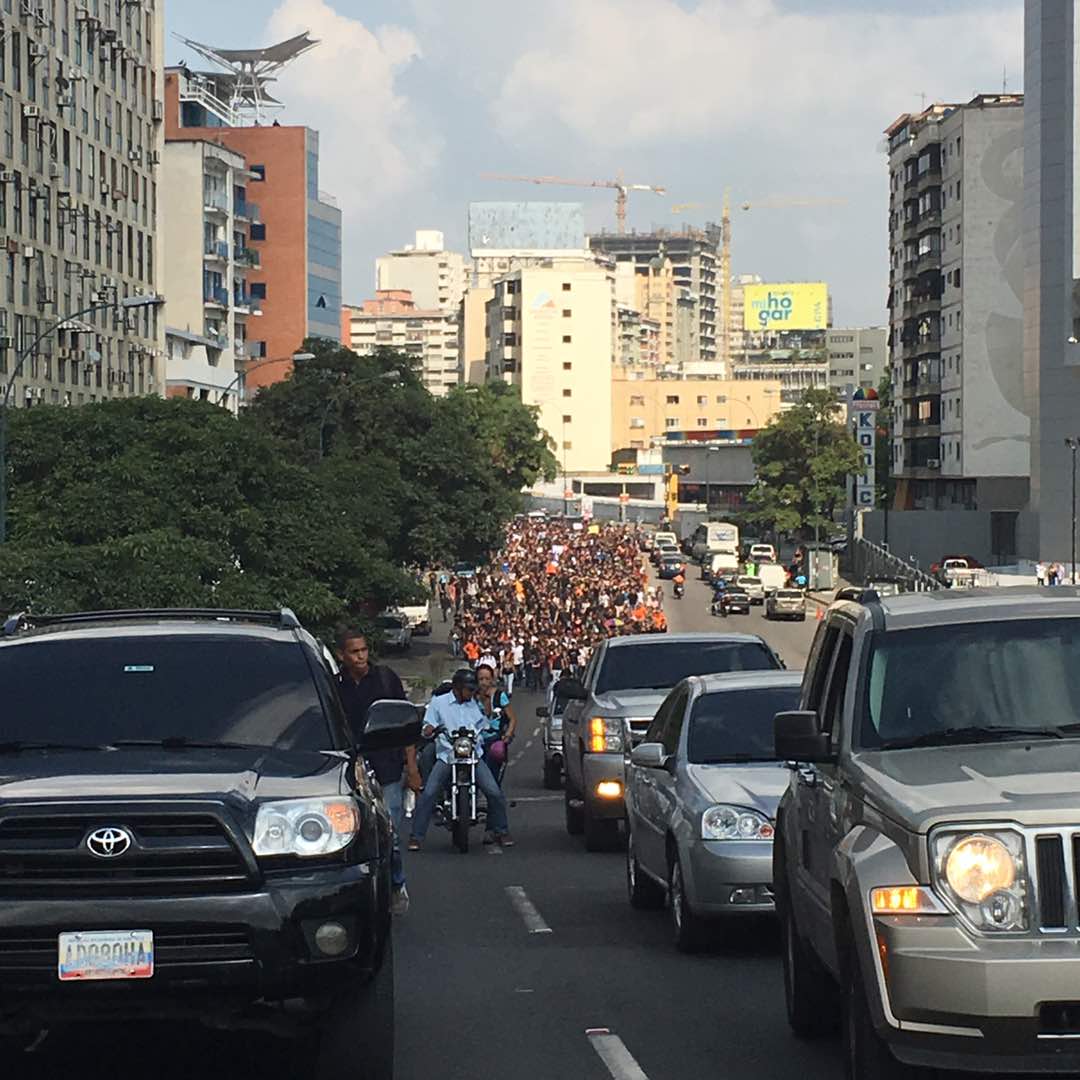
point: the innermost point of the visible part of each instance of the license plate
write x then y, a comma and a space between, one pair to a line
109, 954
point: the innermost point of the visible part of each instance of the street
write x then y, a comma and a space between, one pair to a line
529, 963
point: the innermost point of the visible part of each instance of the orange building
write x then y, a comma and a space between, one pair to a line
294, 227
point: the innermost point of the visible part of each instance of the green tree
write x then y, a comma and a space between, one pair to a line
803, 460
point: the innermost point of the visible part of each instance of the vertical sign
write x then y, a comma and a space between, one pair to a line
862, 413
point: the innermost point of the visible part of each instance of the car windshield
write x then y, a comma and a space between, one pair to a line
934, 684
749, 580
662, 665
207, 689
736, 725
390, 622
788, 594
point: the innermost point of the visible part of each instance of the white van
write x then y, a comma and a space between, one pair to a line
773, 576
760, 553
720, 563
714, 537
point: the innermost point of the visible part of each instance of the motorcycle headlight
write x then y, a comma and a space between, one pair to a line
983, 877
735, 823
463, 748
305, 827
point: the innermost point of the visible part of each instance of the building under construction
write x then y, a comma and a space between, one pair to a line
694, 255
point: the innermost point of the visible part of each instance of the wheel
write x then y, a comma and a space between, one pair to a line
552, 775
809, 992
644, 893
463, 821
691, 931
575, 821
600, 834
865, 1053
358, 1031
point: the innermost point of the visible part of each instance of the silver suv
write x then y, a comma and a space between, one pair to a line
928, 846
609, 711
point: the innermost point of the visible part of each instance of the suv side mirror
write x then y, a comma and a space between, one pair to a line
543, 712
798, 737
649, 755
391, 724
571, 690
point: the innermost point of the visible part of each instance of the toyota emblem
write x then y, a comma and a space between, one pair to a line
109, 843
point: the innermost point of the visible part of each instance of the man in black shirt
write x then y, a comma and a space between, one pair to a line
361, 684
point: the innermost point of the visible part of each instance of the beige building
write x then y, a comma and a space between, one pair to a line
551, 331
644, 407
393, 321
435, 277
472, 332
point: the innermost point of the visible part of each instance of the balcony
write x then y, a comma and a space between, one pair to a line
245, 211
216, 297
922, 305
216, 250
215, 202
931, 346
246, 304
930, 178
247, 257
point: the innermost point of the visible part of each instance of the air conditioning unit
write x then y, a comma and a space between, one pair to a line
28, 252
106, 187
6, 343
118, 195
31, 112
55, 170
933, 463
65, 101
37, 51
83, 16
47, 296
135, 155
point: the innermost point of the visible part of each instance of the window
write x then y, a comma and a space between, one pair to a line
258, 231
566, 313
702, 399
566, 339
737, 725
721, 399
568, 446
567, 366
702, 421
568, 393
567, 419
258, 290
566, 286
673, 399
646, 666
637, 423
637, 399
671, 422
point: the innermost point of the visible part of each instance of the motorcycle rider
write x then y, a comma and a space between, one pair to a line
451, 712
680, 584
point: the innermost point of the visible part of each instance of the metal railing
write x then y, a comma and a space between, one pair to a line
867, 560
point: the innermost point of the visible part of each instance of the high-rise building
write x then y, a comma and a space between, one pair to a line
210, 306
80, 146
858, 357
551, 331
394, 321
961, 435
435, 277
294, 226
694, 257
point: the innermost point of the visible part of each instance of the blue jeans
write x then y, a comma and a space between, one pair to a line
394, 794
437, 781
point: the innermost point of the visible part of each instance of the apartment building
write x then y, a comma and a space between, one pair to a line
209, 305
435, 277
294, 226
960, 435
429, 338
857, 357
80, 149
551, 331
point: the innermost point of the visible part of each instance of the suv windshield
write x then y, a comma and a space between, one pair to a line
207, 689
937, 684
658, 667
737, 724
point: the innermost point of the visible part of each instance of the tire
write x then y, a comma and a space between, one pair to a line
644, 893
463, 822
358, 1032
691, 931
552, 775
600, 834
865, 1053
575, 818
809, 992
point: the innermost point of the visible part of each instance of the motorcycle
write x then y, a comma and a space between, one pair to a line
457, 810
680, 591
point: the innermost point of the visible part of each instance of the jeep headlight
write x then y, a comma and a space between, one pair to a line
305, 827
606, 735
735, 823
982, 875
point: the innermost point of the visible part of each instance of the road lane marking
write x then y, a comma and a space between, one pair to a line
613, 1053
534, 921
537, 798
536, 731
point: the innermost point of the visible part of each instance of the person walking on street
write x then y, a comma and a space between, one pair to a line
362, 683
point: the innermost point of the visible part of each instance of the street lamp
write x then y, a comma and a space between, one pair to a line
1073, 444
295, 358
128, 303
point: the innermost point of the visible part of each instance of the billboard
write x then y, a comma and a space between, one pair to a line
791, 305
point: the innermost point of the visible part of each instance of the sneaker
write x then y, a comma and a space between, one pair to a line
506, 840
414, 844
490, 838
399, 902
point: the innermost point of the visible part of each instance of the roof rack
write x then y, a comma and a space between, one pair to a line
284, 619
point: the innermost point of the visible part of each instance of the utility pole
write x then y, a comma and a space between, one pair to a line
1073, 444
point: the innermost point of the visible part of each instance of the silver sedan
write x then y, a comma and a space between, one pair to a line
701, 795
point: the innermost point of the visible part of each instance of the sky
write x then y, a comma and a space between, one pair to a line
772, 99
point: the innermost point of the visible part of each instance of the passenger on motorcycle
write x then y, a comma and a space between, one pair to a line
494, 702
451, 712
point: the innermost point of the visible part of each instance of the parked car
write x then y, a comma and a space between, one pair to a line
786, 604
394, 632
185, 836
701, 794
753, 586
733, 601
464, 570
609, 710
924, 863
551, 717
418, 616
670, 567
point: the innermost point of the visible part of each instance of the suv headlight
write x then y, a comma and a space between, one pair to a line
305, 827
735, 823
983, 876
606, 735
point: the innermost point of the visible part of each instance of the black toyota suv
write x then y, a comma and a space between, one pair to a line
186, 832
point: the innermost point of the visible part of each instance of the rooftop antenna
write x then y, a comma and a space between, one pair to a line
1004, 78
248, 71
922, 97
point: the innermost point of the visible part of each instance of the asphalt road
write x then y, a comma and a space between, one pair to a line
529, 964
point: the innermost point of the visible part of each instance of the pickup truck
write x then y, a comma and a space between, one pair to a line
419, 616
925, 860
610, 709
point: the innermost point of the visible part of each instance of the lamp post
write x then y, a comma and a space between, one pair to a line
295, 358
1073, 444
128, 303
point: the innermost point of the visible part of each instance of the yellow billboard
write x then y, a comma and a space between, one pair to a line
790, 305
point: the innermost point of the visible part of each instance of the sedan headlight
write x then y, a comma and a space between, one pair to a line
606, 735
463, 747
735, 823
305, 827
982, 875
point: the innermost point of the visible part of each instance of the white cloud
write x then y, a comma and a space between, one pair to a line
374, 149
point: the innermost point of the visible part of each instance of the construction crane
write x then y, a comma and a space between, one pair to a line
618, 185
725, 250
